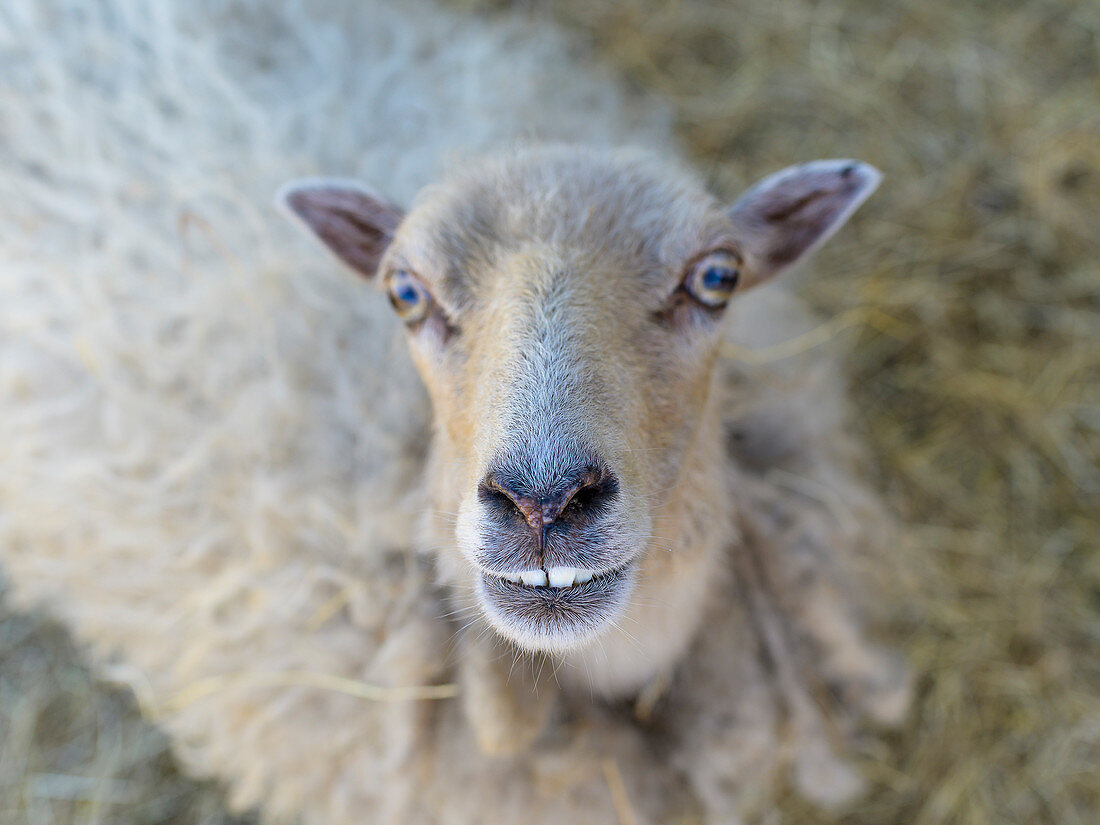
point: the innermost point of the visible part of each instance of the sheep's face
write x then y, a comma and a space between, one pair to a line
563, 307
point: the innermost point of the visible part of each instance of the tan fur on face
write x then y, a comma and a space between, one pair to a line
555, 267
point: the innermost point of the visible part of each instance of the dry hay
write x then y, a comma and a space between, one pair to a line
74, 751
973, 281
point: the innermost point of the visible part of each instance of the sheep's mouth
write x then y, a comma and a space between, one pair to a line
556, 609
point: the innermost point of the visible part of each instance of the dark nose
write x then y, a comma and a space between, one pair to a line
577, 497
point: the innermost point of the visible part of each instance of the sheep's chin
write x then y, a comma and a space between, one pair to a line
555, 620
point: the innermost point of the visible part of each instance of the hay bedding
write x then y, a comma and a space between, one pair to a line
212, 440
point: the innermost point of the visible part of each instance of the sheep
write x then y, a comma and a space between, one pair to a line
221, 467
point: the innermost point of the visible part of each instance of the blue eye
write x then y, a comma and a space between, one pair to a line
713, 279
720, 277
408, 296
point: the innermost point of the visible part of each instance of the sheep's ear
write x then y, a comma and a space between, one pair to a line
789, 214
355, 223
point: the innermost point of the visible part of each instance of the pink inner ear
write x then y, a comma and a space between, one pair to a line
800, 221
356, 225
787, 215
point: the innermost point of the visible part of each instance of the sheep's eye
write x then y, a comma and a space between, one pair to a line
713, 279
409, 297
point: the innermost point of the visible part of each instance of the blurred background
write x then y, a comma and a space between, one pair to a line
967, 302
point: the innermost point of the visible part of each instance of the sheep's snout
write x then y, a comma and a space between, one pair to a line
577, 499
555, 548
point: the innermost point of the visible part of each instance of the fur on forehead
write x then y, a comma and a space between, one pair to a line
625, 205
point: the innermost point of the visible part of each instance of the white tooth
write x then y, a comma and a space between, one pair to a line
582, 576
562, 576
534, 578
512, 577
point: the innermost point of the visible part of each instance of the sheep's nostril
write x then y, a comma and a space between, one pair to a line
585, 498
498, 500
580, 495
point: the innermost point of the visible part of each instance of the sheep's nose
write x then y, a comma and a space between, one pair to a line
577, 497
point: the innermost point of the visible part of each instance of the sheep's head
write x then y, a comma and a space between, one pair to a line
563, 307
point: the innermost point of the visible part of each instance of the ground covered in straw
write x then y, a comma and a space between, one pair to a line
968, 292
75, 752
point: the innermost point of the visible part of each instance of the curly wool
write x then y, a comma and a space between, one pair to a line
213, 441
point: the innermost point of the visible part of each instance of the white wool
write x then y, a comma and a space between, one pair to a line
210, 439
